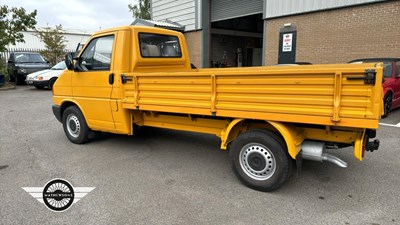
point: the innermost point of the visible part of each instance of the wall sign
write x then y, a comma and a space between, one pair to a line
287, 42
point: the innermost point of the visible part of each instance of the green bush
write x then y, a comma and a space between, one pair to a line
3, 70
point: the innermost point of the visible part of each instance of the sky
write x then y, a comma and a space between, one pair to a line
90, 15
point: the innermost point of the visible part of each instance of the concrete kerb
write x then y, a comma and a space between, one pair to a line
7, 86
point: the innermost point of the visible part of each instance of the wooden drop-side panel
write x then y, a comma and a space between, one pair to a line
298, 94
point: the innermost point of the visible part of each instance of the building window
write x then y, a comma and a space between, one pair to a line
159, 46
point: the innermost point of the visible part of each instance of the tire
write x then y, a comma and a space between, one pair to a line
51, 83
260, 160
12, 77
75, 126
19, 80
387, 105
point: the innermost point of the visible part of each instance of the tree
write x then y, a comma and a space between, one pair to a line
12, 22
141, 10
54, 42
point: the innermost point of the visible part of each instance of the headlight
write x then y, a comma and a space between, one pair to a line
21, 70
40, 78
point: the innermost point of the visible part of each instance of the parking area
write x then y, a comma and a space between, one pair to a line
173, 177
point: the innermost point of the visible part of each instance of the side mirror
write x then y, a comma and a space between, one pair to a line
10, 61
69, 61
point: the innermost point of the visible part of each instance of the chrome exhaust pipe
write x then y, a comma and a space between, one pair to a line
314, 150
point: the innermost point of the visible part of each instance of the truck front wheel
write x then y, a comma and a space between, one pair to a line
260, 160
75, 126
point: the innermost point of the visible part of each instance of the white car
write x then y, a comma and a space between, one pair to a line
46, 78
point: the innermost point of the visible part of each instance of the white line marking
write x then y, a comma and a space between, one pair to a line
390, 125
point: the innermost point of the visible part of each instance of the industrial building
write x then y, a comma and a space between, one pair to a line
264, 32
33, 44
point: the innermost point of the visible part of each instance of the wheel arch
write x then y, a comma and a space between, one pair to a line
291, 134
67, 103
50, 81
387, 91
53, 78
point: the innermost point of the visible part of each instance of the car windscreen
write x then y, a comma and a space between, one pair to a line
387, 67
28, 58
59, 66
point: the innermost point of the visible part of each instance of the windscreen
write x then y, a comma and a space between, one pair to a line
28, 58
59, 66
387, 67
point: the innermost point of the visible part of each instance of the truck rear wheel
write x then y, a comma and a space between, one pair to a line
260, 160
75, 126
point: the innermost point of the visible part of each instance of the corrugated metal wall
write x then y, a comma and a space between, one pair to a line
228, 9
184, 12
188, 12
276, 8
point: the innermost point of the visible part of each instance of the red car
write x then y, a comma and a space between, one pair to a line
391, 83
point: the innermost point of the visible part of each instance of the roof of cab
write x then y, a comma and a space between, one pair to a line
150, 29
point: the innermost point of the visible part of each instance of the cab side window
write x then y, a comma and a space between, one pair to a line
397, 68
98, 54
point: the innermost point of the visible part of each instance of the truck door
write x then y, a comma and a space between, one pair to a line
90, 82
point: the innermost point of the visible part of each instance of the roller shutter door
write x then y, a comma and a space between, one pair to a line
228, 9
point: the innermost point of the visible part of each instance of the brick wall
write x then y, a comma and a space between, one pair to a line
340, 35
193, 40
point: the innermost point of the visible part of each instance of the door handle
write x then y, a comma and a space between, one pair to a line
111, 78
124, 78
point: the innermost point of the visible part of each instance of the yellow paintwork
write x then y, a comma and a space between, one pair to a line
358, 145
224, 102
292, 135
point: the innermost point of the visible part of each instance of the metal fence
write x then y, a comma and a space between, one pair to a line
6, 54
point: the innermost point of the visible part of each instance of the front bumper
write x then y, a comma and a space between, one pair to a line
57, 112
37, 83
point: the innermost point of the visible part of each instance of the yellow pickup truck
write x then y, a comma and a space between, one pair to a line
267, 117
